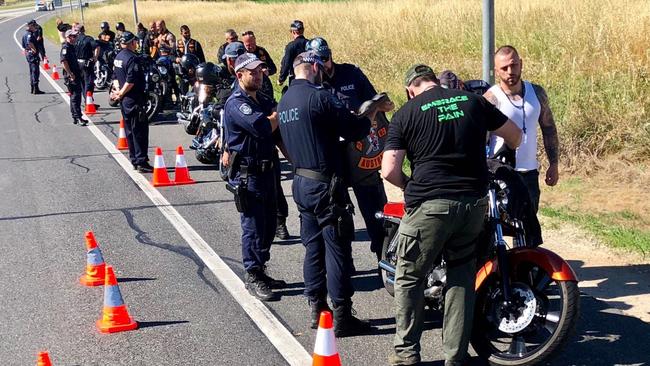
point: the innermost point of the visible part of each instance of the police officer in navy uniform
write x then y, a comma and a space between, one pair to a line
293, 48
363, 157
30, 47
40, 42
250, 120
130, 76
312, 120
87, 53
72, 76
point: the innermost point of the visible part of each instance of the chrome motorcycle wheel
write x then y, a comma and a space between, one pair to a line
539, 320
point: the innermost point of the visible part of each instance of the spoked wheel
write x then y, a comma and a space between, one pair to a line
389, 254
101, 77
539, 320
154, 105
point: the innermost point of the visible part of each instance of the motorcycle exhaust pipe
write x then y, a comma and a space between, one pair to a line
386, 266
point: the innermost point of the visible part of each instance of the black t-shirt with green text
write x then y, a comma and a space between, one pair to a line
443, 132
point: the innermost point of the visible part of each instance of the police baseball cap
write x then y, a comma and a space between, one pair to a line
127, 37
417, 71
234, 50
71, 32
308, 57
320, 46
297, 25
32, 22
248, 61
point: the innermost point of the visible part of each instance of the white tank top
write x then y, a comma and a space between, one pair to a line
527, 118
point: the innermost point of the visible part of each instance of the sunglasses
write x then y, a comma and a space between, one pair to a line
248, 33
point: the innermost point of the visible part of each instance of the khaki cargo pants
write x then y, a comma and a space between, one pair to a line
451, 226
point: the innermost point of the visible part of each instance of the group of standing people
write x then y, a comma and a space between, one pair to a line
334, 141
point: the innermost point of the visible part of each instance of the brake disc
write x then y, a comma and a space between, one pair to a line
525, 312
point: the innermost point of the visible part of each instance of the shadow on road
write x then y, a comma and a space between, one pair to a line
614, 281
160, 323
134, 279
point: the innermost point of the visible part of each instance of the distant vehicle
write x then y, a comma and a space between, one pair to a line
41, 6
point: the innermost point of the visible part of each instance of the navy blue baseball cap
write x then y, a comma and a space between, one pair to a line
320, 46
127, 37
308, 57
234, 50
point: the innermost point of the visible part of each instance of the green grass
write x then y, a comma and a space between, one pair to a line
50, 31
614, 229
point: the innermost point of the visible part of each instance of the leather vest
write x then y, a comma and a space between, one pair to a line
191, 46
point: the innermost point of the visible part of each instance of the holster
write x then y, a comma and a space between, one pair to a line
240, 191
342, 210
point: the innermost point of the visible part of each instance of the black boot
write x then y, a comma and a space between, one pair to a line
270, 281
37, 90
281, 231
257, 287
346, 324
317, 306
32, 92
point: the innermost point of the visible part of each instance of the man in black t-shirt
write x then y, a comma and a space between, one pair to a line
442, 132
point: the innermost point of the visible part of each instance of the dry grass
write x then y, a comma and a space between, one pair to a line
592, 56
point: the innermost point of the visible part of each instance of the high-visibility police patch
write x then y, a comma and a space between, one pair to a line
64, 51
245, 109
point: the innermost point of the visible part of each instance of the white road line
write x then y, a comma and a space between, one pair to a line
286, 344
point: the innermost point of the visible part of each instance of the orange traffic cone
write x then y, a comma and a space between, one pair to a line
46, 63
95, 266
115, 316
182, 173
122, 143
325, 353
90, 104
55, 73
160, 177
43, 359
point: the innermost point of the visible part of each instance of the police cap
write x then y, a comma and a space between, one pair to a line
248, 61
32, 22
319, 45
71, 32
127, 37
308, 57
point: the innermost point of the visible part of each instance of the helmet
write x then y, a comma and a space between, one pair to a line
319, 45
207, 73
120, 26
189, 61
104, 26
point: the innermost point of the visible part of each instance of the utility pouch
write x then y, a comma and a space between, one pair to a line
337, 191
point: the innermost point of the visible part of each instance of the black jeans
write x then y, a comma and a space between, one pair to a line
531, 178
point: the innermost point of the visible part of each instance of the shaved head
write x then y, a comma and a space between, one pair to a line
506, 51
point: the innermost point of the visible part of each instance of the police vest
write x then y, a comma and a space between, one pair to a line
191, 46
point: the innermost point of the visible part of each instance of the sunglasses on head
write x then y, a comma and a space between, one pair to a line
248, 33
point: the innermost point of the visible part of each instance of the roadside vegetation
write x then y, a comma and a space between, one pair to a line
592, 57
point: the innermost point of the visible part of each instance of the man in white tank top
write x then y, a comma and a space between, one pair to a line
527, 105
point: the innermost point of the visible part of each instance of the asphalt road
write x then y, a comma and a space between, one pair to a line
58, 180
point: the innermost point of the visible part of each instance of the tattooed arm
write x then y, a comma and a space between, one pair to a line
491, 98
549, 132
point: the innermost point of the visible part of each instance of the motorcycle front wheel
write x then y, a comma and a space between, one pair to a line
154, 105
532, 330
101, 77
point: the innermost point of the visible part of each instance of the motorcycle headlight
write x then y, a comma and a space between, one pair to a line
155, 78
162, 70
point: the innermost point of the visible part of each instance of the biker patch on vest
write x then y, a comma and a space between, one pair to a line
245, 109
364, 156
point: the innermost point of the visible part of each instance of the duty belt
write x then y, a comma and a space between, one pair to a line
260, 167
312, 174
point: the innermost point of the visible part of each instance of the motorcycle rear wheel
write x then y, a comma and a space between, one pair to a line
555, 316
154, 105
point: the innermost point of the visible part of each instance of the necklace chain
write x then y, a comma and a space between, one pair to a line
520, 107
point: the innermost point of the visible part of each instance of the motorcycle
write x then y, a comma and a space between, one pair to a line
104, 68
527, 297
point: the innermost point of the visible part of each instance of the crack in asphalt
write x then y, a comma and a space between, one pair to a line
110, 126
53, 101
9, 92
187, 252
73, 162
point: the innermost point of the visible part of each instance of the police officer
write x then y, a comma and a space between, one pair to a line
40, 42
130, 77
72, 76
443, 132
30, 47
293, 48
363, 157
311, 122
87, 53
250, 120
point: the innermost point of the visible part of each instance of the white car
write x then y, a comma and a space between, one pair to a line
41, 6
